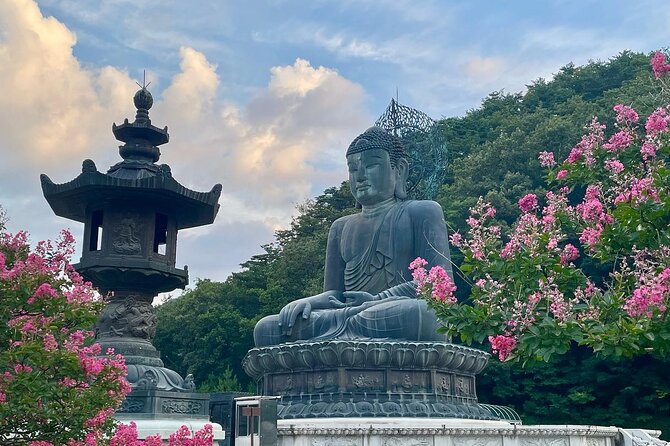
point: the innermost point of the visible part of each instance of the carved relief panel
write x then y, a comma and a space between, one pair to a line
365, 380
409, 381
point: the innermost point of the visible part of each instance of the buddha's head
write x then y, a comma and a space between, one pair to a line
378, 167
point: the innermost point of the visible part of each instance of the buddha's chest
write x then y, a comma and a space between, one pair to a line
363, 236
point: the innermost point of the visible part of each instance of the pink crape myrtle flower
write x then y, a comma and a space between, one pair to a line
619, 141
659, 64
528, 202
625, 115
437, 283
649, 297
546, 159
657, 122
614, 166
503, 345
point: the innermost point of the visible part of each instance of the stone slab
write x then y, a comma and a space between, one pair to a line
167, 426
438, 432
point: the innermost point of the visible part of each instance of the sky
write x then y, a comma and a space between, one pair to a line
265, 96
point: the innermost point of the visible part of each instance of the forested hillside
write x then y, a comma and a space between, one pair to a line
492, 153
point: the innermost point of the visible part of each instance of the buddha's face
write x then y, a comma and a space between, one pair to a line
371, 177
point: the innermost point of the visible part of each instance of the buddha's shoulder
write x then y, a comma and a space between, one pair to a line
423, 208
340, 222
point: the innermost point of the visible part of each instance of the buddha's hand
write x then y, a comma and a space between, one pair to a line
289, 314
356, 298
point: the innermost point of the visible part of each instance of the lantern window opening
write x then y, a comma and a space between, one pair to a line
95, 243
160, 234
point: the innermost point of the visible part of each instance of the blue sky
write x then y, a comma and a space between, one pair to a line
264, 96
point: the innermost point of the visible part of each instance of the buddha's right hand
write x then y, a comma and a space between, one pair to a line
289, 314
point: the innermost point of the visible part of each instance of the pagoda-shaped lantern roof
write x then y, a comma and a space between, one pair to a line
136, 178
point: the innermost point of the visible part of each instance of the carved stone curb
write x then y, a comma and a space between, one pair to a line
513, 430
388, 409
375, 354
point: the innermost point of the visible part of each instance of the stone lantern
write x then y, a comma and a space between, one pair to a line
132, 215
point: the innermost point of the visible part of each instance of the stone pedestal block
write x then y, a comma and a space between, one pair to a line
350, 378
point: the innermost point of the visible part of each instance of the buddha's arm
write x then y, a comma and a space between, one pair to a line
430, 234
334, 268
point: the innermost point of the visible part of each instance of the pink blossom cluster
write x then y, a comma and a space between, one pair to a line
559, 307
547, 159
657, 122
528, 203
619, 141
625, 115
126, 435
435, 283
652, 292
503, 345
659, 64
641, 190
588, 144
481, 234
47, 302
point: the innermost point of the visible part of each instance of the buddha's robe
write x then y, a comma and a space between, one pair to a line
371, 252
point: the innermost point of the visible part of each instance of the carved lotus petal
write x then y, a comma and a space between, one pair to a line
252, 365
339, 409
306, 358
318, 408
402, 357
417, 408
286, 359
457, 362
427, 357
267, 361
353, 357
379, 355
480, 364
446, 357
391, 408
328, 355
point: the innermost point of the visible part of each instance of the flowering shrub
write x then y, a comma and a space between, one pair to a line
56, 386
608, 207
126, 435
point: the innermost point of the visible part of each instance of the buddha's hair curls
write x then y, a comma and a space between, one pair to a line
378, 138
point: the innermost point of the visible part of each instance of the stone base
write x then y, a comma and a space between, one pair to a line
442, 432
167, 426
162, 404
160, 412
351, 378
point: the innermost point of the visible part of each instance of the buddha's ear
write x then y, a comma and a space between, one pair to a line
401, 172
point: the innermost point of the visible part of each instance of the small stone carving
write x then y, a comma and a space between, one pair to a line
396, 441
189, 383
595, 441
131, 405
462, 385
477, 441
363, 381
283, 384
183, 407
335, 441
126, 241
444, 384
130, 317
148, 381
537, 441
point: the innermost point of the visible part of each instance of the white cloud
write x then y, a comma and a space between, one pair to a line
285, 145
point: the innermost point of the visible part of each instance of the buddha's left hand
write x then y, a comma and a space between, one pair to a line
356, 298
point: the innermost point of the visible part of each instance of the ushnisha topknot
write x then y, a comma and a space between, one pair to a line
378, 138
